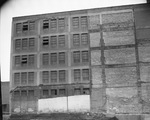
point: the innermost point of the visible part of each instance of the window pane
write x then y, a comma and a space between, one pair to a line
45, 24
17, 94
85, 74
62, 92
53, 76
53, 41
24, 93
77, 91
18, 44
61, 40
77, 75
45, 41
30, 93
62, 76
76, 57
53, 58
30, 77
85, 56
45, 93
53, 23
24, 78
32, 25
45, 76
76, 40
86, 91
84, 39
18, 28
61, 23
24, 44
75, 22
31, 43
62, 58
16, 78
25, 26
24, 60
45, 58
54, 92
84, 21
31, 59
17, 60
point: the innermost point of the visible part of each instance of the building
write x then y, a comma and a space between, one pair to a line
86, 60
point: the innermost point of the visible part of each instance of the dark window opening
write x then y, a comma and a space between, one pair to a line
25, 27
53, 92
24, 60
53, 76
86, 91
45, 41
23, 93
45, 24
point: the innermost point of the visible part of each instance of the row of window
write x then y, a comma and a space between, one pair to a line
23, 93
81, 56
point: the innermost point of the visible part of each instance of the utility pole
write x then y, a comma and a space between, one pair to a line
1, 113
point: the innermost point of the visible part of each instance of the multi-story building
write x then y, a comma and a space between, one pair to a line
86, 60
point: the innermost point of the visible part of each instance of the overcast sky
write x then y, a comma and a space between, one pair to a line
15, 8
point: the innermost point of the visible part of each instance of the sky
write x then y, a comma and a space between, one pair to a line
14, 8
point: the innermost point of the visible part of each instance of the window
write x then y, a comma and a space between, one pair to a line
53, 41
76, 40
45, 41
31, 43
62, 92
30, 93
61, 40
45, 24
45, 76
45, 59
62, 75
46, 93
77, 75
24, 78
61, 23
85, 74
84, 38
16, 78
31, 60
75, 22
17, 60
24, 93
84, 21
76, 56
86, 91
18, 27
85, 56
53, 76
17, 94
77, 91
30, 77
53, 23
53, 92
24, 60
25, 26
32, 25
53, 58
62, 58
18, 44
24, 44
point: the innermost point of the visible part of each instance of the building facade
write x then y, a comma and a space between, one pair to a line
87, 60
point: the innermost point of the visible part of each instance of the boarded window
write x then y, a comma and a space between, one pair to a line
75, 22
16, 78
30, 77
62, 92
24, 78
18, 44
31, 43
45, 76
18, 27
45, 58
84, 38
32, 25
25, 44
46, 93
77, 91
62, 75
62, 58
53, 41
85, 56
24, 60
76, 56
61, 40
53, 92
61, 23
86, 91
84, 22
53, 58
25, 26
85, 74
45, 24
77, 75
53, 76
76, 40
31, 60
46, 41
53, 23
17, 60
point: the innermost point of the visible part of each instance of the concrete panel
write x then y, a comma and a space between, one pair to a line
79, 103
143, 34
119, 37
24, 106
117, 17
94, 21
52, 105
15, 106
121, 76
123, 100
95, 39
96, 57
144, 55
145, 73
32, 108
120, 56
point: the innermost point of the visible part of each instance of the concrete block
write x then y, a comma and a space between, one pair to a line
145, 73
143, 33
96, 57
144, 55
95, 39
94, 21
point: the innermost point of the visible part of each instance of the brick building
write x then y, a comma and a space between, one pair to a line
86, 60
